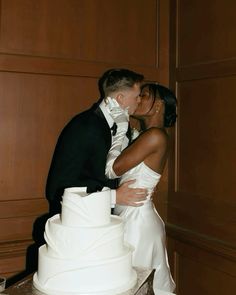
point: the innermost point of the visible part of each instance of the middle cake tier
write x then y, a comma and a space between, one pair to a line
95, 243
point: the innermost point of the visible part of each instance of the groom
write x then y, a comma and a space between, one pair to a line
80, 155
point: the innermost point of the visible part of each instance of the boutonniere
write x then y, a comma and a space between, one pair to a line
134, 133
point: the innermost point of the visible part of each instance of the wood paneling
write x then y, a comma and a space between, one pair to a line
203, 71
12, 265
33, 110
18, 208
206, 147
90, 30
204, 215
201, 204
198, 268
69, 67
14, 257
206, 33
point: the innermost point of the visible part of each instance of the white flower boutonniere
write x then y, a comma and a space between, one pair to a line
134, 134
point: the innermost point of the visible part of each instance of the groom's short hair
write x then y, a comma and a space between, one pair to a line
118, 79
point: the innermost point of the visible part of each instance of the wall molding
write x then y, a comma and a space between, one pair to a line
65, 67
200, 71
204, 242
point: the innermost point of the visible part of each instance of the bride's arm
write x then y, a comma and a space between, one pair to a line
150, 147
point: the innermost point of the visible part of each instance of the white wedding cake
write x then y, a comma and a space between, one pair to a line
84, 251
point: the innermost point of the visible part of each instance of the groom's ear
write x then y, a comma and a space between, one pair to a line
120, 99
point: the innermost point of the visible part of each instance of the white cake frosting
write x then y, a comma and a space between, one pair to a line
84, 251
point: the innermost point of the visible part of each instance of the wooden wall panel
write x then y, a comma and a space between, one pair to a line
200, 272
33, 109
12, 265
206, 33
89, 30
206, 148
201, 204
51, 56
206, 122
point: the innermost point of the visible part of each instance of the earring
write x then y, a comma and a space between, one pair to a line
157, 111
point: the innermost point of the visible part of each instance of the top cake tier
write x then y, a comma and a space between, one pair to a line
82, 209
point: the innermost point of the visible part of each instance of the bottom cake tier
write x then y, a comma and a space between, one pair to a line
56, 276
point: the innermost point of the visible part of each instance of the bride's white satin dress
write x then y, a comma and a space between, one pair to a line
145, 230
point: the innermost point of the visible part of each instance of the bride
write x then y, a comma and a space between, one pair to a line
144, 160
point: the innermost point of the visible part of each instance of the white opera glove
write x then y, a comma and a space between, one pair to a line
121, 118
114, 152
119, 115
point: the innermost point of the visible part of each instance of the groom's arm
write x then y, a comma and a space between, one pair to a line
69, 159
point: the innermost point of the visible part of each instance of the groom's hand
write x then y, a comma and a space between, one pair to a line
128, 196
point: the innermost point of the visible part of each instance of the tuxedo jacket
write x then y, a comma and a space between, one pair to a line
80, 156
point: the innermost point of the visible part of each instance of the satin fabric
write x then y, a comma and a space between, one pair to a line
145, 230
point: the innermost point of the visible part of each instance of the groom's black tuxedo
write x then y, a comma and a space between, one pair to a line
80, 156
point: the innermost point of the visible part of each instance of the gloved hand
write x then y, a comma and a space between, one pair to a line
119, 115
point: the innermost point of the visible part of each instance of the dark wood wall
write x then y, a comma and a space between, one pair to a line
51, 55
202, 208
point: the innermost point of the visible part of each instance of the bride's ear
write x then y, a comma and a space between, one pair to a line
158, 105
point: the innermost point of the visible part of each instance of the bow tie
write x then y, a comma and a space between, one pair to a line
114, 129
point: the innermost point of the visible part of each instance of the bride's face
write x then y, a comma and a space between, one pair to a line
146, 105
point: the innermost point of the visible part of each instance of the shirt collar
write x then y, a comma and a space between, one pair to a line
106, 114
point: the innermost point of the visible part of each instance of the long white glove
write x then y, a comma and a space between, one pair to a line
121, 118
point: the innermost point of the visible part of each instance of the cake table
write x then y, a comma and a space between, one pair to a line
143, 286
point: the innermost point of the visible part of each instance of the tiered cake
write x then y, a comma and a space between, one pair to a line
84, 251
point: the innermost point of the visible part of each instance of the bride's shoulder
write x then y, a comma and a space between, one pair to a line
156, 133
155, 136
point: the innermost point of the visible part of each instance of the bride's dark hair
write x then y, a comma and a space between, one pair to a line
165, 94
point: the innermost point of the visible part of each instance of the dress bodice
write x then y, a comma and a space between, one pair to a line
145, 178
